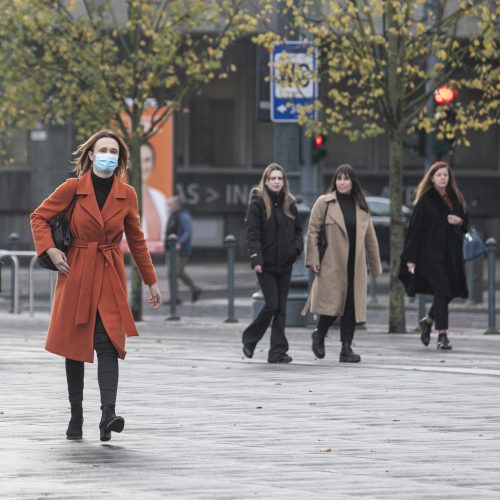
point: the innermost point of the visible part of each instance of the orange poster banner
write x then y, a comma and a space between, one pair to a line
157, 182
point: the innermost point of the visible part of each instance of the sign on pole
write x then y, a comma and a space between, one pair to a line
293, 65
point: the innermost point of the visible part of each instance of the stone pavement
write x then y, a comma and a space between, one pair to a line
408, 422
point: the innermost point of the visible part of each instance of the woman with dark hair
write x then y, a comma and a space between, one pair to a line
274, 240
340, 283
432, 259
90, 310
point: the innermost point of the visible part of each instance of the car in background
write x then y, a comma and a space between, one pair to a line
380, 211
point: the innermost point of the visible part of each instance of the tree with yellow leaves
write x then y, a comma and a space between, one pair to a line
92, 64
381, 62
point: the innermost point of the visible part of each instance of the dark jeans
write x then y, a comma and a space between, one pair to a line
347, 320
275, 288
107, 369
180, 264
439, 311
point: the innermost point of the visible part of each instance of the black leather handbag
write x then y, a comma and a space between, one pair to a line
322, 243
59, 227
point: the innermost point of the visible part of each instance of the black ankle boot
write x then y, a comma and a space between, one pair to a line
110, 422
318, 343
75, 425
443, 343
347, 355
425, 328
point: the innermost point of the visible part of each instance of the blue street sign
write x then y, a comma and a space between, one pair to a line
293, 65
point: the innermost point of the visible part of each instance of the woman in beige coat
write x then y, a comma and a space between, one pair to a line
340, 285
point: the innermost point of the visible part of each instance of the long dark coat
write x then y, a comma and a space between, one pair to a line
97, 279
273, 242
436, 248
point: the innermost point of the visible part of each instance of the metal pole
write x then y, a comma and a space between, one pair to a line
32, 287
14, 280
491, 245
372, 297
471, 282
172, 277
230, 244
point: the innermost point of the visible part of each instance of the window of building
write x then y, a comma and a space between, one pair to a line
212, 132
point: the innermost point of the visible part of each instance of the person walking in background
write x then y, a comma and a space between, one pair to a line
274, 241
180, 223
90, 309
432, 259
340, 283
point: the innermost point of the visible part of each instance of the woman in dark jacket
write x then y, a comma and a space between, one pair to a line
432, 259
274, 240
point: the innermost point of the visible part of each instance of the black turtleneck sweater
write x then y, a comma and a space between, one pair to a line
102, 187
348, 207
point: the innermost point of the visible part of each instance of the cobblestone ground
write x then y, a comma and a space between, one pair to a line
408, 422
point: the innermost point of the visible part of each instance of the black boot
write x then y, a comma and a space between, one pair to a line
75, 425
347, 355
110, 422
318, 343
443, 343
425, 336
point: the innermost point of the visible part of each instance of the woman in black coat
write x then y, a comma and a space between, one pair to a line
274, 241
432, 260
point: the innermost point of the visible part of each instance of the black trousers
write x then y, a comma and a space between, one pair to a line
107, 369
275, 288
348, 318
439, 311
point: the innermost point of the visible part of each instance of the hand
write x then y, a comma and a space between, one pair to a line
178, 247
59, 260
315, 269
155, 295
455, 220
411, 267
258, 268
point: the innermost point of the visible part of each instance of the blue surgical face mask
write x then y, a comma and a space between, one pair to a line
106, 163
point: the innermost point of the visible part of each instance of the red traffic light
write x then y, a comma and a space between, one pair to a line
319, 140
445, 95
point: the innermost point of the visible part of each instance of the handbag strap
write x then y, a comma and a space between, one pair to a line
71, 204
326, 210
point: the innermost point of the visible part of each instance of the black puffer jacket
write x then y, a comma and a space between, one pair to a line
274, 242
435, 246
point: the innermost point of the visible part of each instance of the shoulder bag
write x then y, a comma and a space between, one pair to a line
473, 246
59, 227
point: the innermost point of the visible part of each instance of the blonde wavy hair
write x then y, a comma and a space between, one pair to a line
426, 183
261, 191
82, 161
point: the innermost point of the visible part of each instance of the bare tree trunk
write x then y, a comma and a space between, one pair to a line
396, 129
397, 322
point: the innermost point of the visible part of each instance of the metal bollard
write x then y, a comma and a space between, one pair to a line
372, 290
230, 244
172, 277
13, 241
491, 245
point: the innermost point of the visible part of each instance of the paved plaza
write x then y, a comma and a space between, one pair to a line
204, 423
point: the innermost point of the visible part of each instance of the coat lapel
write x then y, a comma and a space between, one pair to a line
88, 200
115, 202
335, 212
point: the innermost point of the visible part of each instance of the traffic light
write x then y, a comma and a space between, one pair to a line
446, 118
318, 150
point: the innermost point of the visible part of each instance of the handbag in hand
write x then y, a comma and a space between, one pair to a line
322, 243
473, 247
59, 227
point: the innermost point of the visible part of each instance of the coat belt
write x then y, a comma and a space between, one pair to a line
85, 294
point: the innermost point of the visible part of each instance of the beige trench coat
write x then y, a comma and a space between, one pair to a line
329, 289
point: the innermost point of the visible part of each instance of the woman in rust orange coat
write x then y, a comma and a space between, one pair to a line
90, 310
